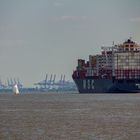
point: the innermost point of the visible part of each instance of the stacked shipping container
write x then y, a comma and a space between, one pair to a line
123, 63
127, 65
127, 61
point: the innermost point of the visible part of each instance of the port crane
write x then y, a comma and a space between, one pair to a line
55, 85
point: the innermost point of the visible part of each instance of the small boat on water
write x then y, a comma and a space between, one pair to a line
15, 89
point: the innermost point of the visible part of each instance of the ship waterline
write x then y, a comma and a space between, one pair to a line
107, 86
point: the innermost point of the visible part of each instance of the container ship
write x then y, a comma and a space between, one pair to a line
115, 70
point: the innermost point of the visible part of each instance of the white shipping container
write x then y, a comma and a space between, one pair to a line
127, 60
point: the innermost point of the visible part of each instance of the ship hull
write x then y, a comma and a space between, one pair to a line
90, 85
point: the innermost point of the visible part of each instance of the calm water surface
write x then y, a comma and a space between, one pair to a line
70, 117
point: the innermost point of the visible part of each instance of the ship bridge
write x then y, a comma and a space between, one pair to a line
129, 45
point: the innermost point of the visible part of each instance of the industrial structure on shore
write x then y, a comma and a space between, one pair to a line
9, 84
46, 85
50, 84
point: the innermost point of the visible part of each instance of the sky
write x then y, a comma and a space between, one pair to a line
48, 36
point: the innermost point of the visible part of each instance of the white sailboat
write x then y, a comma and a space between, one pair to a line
15, 89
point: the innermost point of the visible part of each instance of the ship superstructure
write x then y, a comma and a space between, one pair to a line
116, 69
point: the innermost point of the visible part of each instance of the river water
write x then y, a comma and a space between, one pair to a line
69, 116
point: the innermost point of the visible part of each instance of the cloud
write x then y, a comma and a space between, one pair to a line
12, 43
4, 28
136, 19
58, 3
70, 18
